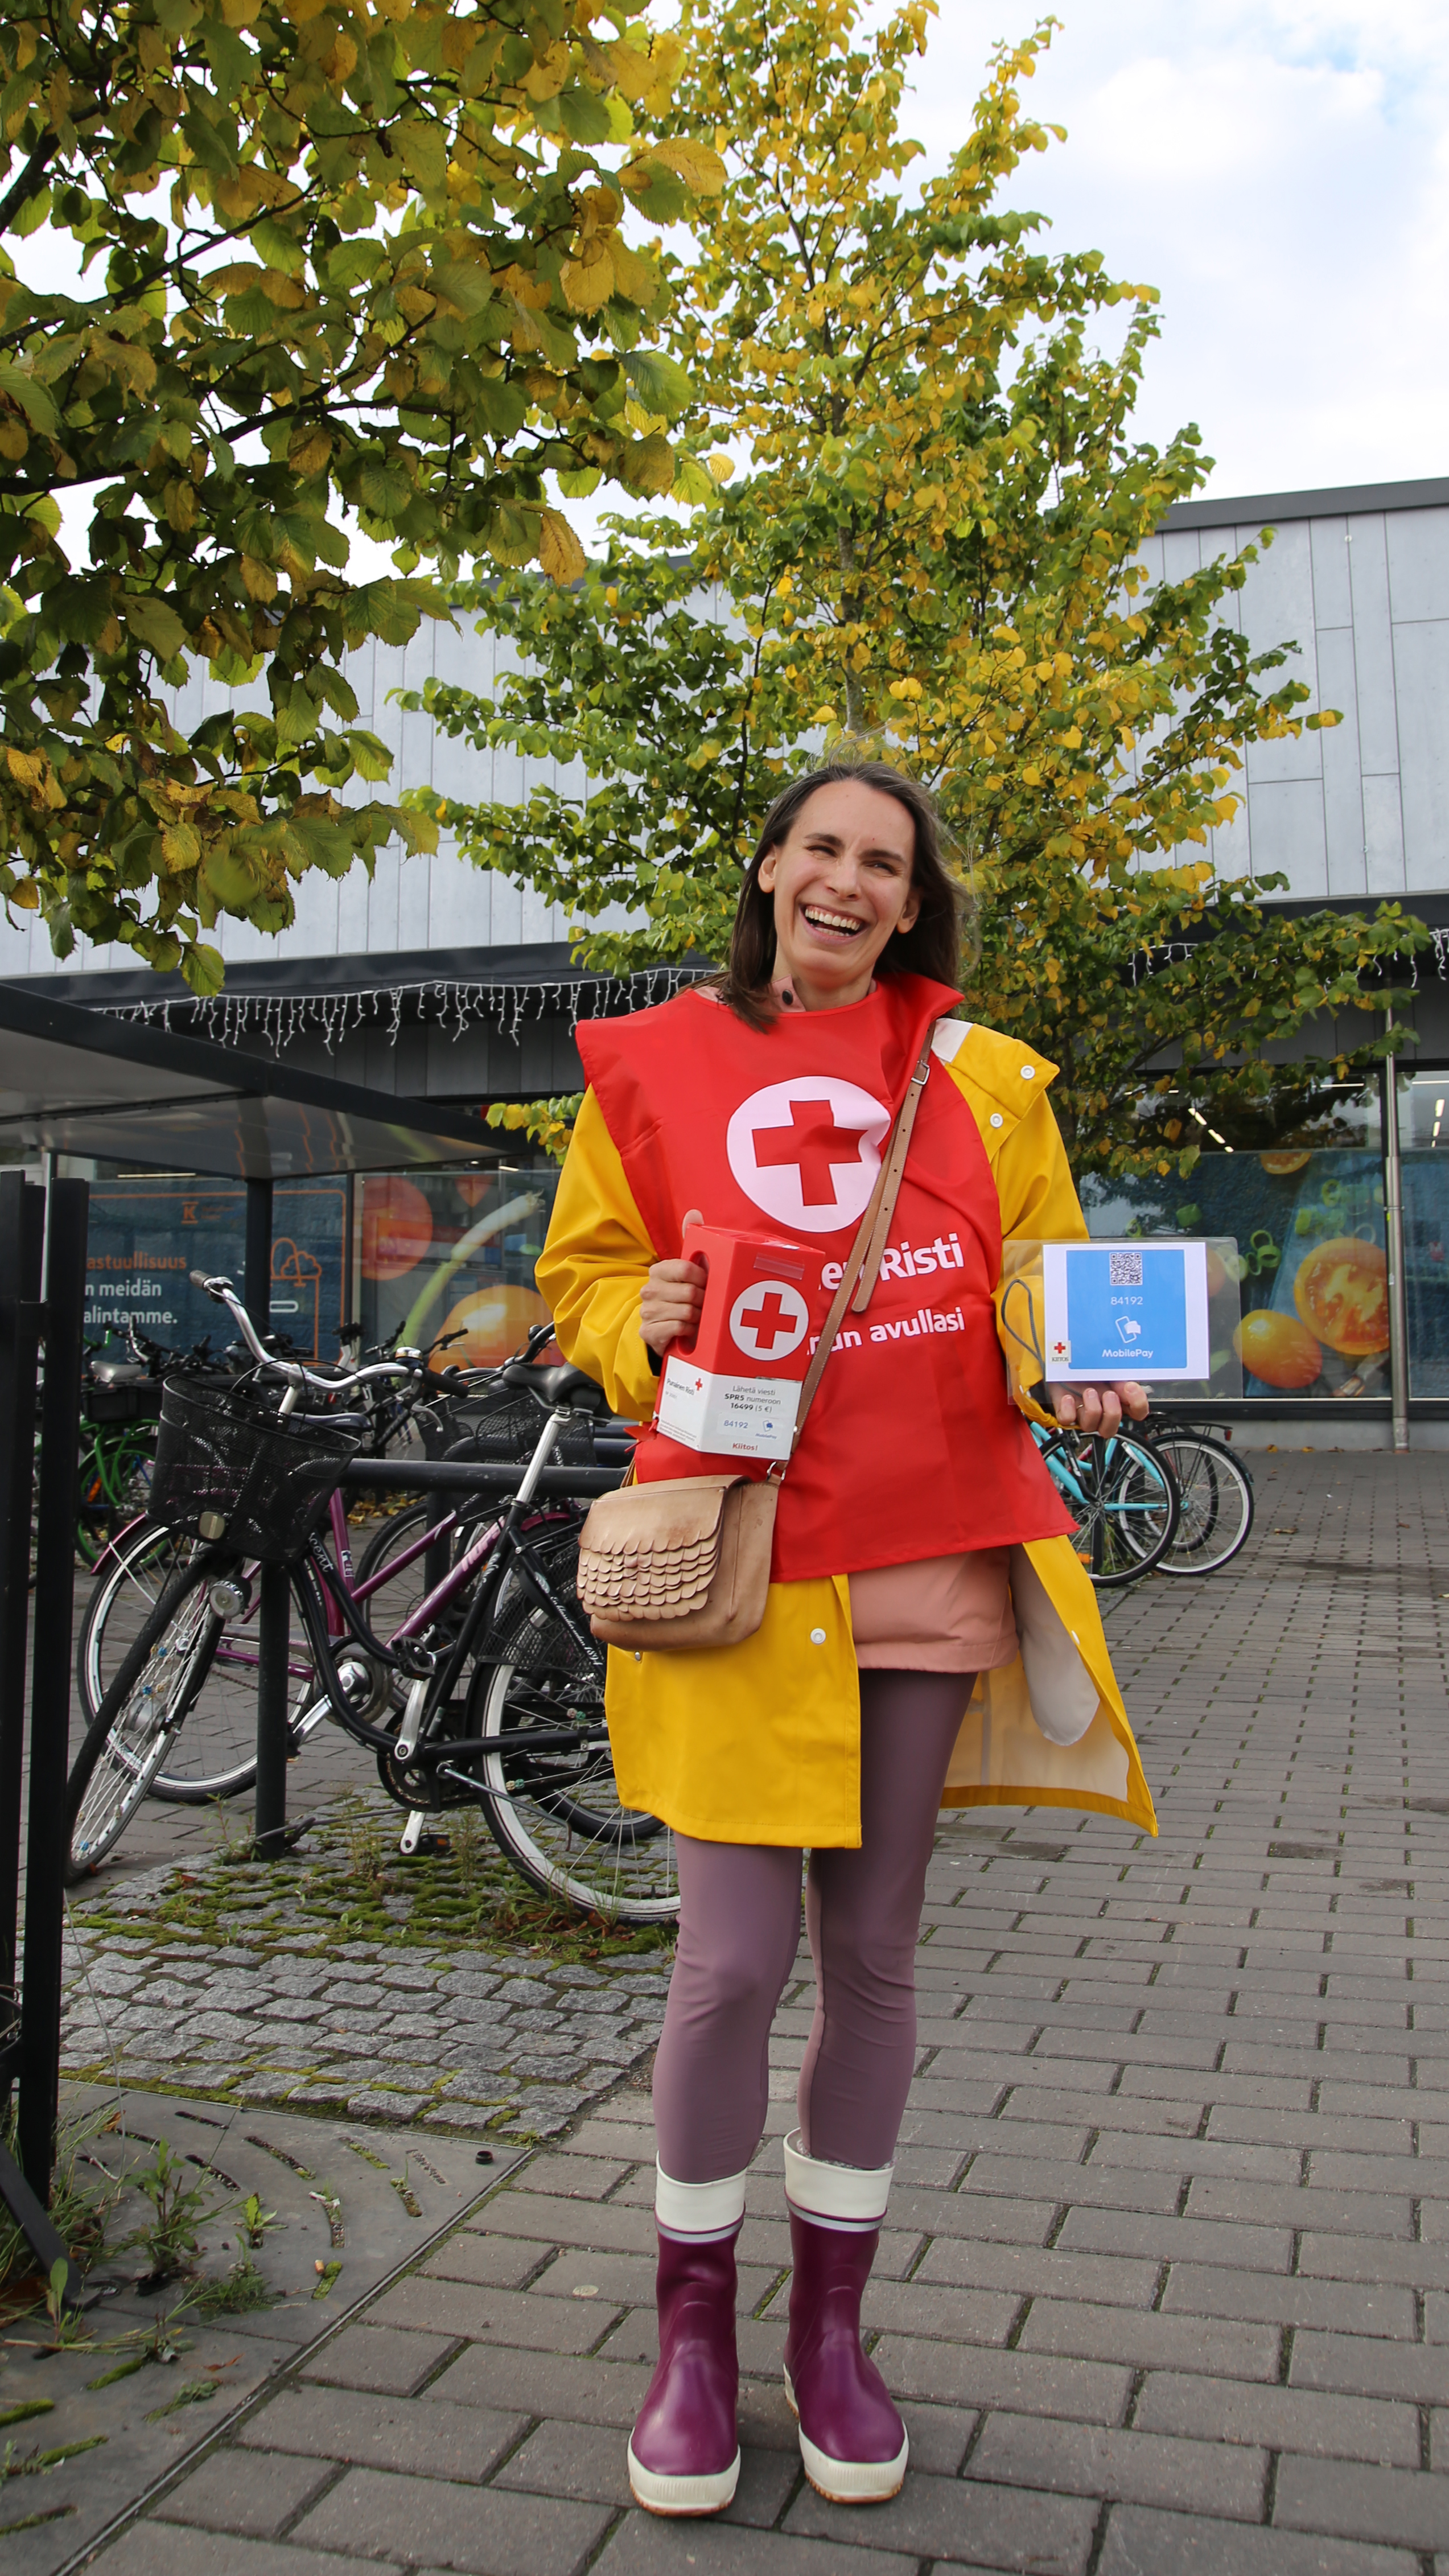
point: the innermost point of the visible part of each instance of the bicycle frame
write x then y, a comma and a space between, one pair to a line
496, 1552
1071, 1486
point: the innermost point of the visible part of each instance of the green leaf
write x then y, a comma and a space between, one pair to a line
230, 877
33, 398
659, 383
154, 625
371, 757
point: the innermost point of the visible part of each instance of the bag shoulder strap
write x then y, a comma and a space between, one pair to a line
863, 1267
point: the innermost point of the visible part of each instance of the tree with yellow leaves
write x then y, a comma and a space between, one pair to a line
937, 547
325, 253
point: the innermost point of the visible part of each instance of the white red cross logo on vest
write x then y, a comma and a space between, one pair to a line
768, 1320
808, 1151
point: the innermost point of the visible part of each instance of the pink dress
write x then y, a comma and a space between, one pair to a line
944, 1614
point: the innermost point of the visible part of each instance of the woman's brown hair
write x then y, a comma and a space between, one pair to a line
930, 947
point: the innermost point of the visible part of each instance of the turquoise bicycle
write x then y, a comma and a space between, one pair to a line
1122, 1494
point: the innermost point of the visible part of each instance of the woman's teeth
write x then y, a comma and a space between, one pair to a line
841, 921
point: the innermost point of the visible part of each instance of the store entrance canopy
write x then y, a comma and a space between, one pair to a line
75, 1082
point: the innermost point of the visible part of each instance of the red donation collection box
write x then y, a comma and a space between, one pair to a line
734, 1391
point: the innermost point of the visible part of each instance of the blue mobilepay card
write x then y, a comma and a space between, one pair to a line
1117, 1310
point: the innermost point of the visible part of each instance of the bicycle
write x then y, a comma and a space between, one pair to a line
1216, 1499
216, 1756
1122, 1494
490, 1687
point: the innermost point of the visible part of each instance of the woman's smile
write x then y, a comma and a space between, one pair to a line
834, 926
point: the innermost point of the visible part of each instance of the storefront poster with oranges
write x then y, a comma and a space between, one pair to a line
452, 1254
1312, 1273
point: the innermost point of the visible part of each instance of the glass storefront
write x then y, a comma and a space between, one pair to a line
429, 1253
435, 1253
1424, 1147
1311, 1264
150, 1230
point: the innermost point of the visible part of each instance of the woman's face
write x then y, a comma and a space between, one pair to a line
841, 882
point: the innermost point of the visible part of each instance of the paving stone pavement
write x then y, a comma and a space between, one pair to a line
1165, 2285
441, 2038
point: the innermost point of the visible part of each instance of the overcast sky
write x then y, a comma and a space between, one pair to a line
1279, 170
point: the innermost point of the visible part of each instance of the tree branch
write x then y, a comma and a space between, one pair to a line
21, 190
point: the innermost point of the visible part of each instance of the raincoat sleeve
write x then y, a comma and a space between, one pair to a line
593, 1268
1039, 1204
1004, 1084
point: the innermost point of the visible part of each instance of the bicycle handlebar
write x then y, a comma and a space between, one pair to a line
296, 1376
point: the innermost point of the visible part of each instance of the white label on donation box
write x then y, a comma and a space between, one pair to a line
734, 1417
1125, 1310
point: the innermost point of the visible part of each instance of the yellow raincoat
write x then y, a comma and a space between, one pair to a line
760, 1742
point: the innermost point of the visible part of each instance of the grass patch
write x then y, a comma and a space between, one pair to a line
353, 1884
80, 2207
238, 2294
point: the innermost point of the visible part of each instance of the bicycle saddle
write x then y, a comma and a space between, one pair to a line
552, 1386
120, 1373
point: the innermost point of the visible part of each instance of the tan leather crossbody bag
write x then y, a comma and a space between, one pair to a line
686, 1562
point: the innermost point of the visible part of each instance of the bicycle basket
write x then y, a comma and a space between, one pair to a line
228, 1467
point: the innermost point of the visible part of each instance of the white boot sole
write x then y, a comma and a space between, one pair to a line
849, 2481
659, 2494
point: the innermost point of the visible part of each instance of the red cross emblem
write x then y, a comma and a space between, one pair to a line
807, 1151
769, 1320
814, 1143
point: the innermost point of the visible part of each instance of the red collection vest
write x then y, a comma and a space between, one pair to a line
913, 1447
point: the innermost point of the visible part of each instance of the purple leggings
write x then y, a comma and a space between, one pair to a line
739, 1932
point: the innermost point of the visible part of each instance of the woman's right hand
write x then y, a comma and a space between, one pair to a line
671, 1298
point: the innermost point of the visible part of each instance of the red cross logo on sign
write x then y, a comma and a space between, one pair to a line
808, 1151
769, 1320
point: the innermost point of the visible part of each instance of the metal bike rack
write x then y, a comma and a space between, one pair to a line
373, 1475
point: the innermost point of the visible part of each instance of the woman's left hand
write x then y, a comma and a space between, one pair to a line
1100, 1408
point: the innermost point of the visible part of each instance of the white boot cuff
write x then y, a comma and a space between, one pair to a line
698, 2208
841, 2195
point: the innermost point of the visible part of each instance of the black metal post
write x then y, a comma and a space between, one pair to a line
65, 1294
22, 1236
274, 1606
350, 1309
257, 1277
274, 1626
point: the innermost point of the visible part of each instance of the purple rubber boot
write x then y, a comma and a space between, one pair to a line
852, 2441
684, 2456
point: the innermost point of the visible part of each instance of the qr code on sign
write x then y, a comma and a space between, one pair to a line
1124, 1269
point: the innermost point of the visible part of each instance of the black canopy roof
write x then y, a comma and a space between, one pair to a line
77, 1082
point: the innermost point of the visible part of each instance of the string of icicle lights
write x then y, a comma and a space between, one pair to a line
279, 1018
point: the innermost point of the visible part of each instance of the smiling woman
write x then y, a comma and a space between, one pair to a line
928, 1630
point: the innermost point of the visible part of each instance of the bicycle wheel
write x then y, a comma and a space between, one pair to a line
1123, 1497
134, 1573
557, 1816
1217, 1502
129, 1473
215, 1757
143, 1709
